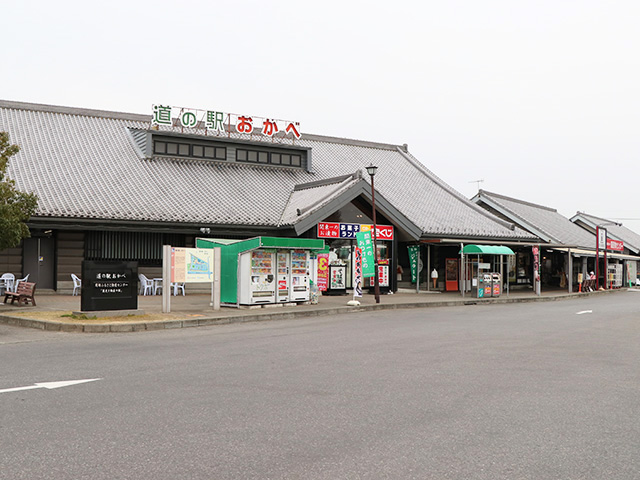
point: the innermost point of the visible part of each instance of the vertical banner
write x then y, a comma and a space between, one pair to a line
536, 269
366, 245
357, 287
414, 253
323, 271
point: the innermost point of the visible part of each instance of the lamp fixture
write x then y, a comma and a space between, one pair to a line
372, 169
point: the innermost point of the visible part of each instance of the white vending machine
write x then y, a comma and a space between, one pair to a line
284, 276
299, 275
260, 286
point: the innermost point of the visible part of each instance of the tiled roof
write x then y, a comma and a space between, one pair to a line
615, 230
305, 199
88, 164
545, 221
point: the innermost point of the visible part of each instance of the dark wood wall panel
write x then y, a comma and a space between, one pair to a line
11, 261
70, 248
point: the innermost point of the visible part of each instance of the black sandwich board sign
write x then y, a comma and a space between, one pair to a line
109, 286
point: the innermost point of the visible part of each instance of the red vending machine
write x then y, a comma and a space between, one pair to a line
451, 275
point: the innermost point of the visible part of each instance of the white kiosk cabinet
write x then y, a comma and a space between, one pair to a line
284, 276
299, 275
258, 274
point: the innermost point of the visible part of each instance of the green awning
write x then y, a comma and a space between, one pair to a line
487, 250
263, 242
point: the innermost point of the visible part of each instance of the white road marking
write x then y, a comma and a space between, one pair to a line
50, 385
584, 311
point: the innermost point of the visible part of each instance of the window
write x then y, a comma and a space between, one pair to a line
216, 149
160, 147
143, 247
273, 158
189, 150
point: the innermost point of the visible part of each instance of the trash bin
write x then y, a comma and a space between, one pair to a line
314, 293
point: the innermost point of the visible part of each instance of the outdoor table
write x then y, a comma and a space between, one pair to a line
157, 283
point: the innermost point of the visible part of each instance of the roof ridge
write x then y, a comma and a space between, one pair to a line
523, 220
517, 200
354, 142
346, 181
453, 192
88, 112
326, 181
594, 216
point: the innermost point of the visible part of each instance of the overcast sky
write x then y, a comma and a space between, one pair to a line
540, 99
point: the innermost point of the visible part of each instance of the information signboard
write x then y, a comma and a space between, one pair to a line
109, 286
191, 265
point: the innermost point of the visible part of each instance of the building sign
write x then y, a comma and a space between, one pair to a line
221, 123
349, 230
328, 230
191, 265
602, 237
414, 253
366, 245
323, 271
616, 245
109, 286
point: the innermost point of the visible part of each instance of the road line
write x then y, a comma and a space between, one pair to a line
50, 385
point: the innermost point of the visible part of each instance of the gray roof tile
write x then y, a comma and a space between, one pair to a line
630, 238
558, 228
87, 164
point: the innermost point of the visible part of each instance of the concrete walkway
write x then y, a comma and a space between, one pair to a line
193, 310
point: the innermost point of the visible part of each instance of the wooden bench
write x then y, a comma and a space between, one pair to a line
25, 293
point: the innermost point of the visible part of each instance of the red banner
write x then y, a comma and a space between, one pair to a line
615, 245
323, 271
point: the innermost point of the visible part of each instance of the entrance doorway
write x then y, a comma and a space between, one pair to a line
39, 261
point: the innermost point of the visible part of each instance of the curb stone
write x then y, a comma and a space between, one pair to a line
254, 317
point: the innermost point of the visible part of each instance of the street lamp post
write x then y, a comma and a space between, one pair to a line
371, 170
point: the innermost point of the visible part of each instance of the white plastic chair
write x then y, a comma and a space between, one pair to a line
21, 280
77, 283
146, 285
177, 286
8, 279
